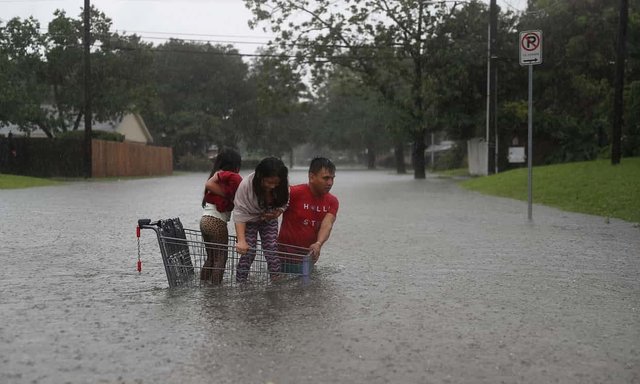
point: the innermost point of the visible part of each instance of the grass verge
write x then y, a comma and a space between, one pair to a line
593, 187
458, 172
15, 182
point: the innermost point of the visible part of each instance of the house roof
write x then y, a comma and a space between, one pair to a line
143, 127
107, 126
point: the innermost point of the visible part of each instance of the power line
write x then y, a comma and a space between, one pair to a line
512, 7
176, 36
28, 1
309, 59
213, 41
148, 1
206, 41
196, 34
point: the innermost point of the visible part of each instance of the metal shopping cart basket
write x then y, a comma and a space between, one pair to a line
184, 254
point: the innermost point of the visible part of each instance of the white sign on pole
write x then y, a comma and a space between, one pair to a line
517, 155
530, 47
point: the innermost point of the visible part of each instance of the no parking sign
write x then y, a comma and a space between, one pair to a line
530, 47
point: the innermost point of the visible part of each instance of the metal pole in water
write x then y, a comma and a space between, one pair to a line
530, 144
88, 161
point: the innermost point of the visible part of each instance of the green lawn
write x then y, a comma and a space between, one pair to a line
453, 172
15, 181
594, 187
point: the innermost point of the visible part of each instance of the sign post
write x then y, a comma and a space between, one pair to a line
530, 55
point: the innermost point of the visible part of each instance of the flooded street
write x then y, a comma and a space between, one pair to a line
420, 282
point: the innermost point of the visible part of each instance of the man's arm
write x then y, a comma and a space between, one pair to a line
323, 235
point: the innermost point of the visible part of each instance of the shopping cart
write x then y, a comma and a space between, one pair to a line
184, 254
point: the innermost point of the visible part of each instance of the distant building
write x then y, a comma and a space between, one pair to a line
131, 126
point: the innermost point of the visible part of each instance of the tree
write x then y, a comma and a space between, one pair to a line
575, 83
22, 74
384, 41
631, 129
618, 100
41, 74
201, 95
352, 116
459, 72
121, 68
280, 106
64, 69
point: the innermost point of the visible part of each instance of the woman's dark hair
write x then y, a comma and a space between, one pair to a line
226, 160
270, 167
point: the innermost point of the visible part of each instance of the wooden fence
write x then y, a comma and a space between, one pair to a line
64, 157
114, 159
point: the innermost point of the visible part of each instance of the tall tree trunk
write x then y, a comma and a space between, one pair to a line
399, 155
618, 102
418, 154
418, 104
371, 158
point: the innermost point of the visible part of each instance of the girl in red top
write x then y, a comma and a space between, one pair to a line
217, 203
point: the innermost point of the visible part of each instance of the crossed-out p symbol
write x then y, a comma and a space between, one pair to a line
530, 42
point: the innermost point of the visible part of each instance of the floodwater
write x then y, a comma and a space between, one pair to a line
421, 282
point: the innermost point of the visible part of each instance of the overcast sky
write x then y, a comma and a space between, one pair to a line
218, 21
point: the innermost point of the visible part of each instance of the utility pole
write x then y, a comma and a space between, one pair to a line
87, 89
618, 105
492, 145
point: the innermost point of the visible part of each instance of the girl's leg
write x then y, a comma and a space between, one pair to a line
269, 236
244, 264
214, 230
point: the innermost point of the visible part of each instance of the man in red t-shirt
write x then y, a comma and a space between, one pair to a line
312, 210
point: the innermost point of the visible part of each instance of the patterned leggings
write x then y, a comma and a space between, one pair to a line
268, 235
214, 230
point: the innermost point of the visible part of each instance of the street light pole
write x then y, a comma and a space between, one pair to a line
492, 145
87, 90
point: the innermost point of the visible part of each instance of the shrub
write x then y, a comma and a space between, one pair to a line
100, 135
451, 159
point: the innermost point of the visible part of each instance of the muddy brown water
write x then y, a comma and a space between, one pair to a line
421, 282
